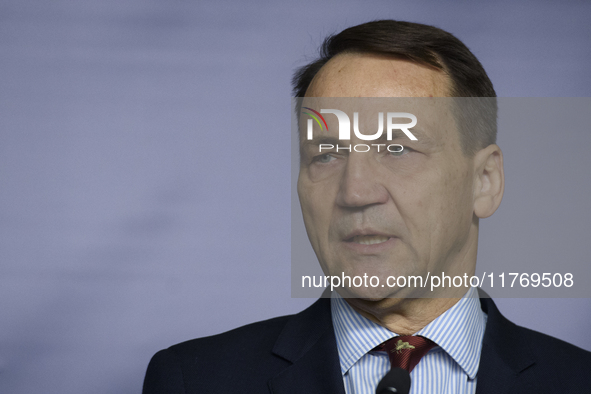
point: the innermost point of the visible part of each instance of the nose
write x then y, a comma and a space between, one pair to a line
361, 184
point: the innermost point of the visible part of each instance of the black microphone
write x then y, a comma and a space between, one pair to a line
396, 381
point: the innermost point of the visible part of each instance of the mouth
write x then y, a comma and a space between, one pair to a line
368, 239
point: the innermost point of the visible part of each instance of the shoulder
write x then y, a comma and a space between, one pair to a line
201, 364
559, 366
550, 349
247, 356
541, 346
519, 359
241, 342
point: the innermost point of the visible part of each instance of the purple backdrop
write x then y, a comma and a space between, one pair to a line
145, 169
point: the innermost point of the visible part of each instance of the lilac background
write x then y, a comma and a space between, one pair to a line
145, 169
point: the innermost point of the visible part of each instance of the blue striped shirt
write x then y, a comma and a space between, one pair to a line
450, 367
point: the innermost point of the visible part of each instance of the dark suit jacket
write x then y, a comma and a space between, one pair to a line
298, 354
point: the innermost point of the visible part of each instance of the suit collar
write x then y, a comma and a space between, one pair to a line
308, 342
505, 352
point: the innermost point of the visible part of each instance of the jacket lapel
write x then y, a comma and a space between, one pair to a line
309, 343
505, 353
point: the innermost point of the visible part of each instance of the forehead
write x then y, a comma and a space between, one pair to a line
369, 75
385, 83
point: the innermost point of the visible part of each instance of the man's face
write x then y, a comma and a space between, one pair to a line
388, 213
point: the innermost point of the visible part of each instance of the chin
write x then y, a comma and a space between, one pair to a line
373, 294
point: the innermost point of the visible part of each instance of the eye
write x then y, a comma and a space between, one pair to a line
399, 150
325, 158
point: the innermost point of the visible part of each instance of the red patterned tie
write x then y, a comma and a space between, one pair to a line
406, 351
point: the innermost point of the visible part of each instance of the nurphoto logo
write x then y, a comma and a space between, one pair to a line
344, 124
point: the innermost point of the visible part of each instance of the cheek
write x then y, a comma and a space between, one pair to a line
461, 192
315, 208
439, 205
455, 203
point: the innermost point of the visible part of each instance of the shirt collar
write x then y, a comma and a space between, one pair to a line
458, 331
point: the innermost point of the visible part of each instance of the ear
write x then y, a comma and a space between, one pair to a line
489, 182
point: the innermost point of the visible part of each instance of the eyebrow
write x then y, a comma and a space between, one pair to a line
422, 137
416, 131
324, 139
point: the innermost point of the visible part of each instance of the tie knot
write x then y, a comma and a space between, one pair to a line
406, 351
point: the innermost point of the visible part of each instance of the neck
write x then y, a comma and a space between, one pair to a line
404, 316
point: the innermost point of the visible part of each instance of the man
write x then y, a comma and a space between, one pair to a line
407, 212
